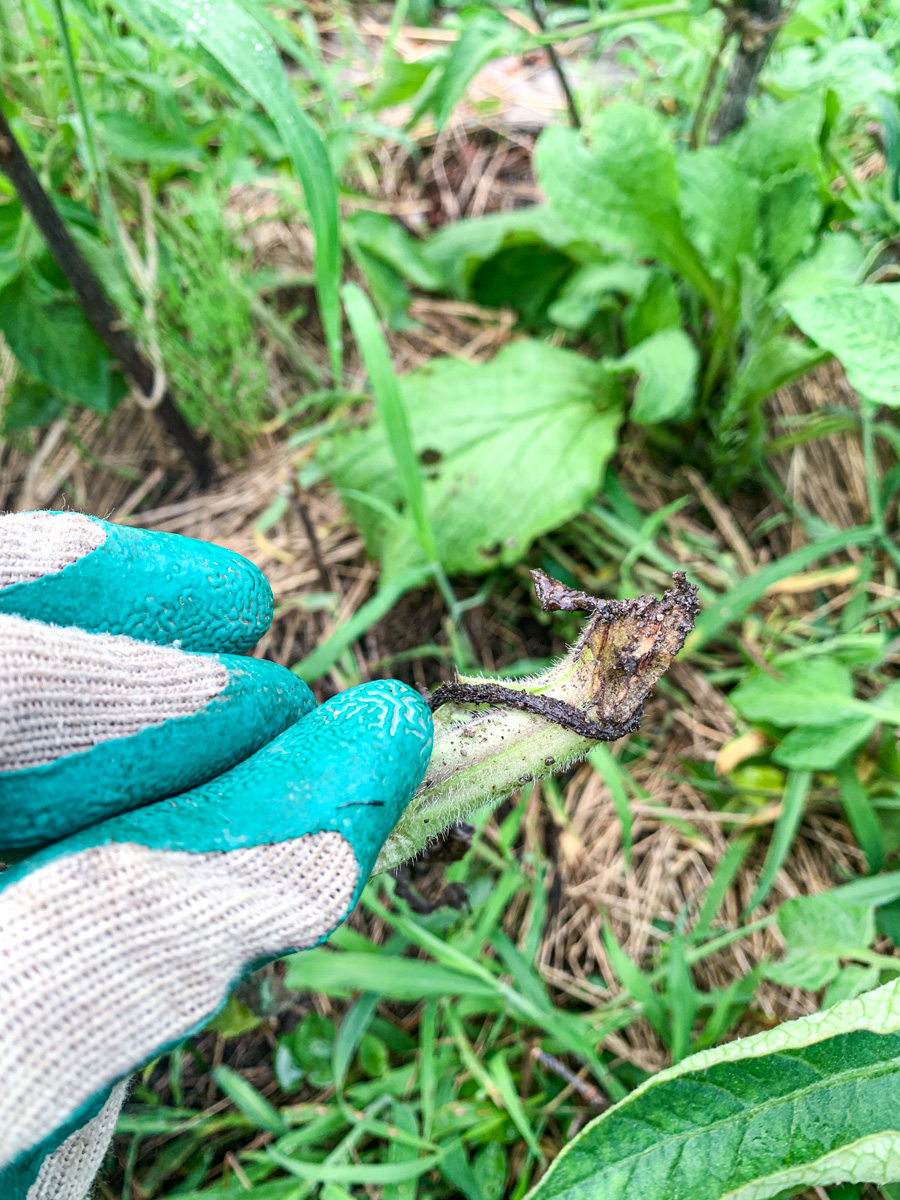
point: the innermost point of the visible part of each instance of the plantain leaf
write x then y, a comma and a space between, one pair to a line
622, 189
810, 1103
510, 449
861, 327
666, 365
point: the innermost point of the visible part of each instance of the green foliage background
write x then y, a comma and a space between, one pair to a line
662, 291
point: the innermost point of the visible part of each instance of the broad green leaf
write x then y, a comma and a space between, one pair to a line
29, 402
666, 366
861, 327
719, 204
827, 923
838, 261
459, 250
312, 1045
856, 68
790, 214
234, 1019
387, 239
656, 308
779, 360
51, 337
849, 982
491, 1168
595, 286
621, 188
373, 1056
816, 691
10, 225
781, 138
238, 42
812, 1102
524, 278
821, 747
808, 969
510, 450
400, 81
389, 293
819, 931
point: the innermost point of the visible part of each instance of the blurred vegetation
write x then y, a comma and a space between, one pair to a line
662, 286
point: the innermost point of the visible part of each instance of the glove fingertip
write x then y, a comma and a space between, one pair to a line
156, 587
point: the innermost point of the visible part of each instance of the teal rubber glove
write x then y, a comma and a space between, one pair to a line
197, 815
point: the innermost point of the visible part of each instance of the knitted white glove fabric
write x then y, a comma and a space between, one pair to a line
69, 1172
112, 952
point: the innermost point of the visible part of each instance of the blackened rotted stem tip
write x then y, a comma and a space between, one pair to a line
555, 596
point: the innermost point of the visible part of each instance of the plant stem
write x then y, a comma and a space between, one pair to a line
95, 171
709, 84
491, 742
537, 10
759, 25
98, 309
609, 20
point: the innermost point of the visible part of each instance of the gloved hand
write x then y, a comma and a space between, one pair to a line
124, 932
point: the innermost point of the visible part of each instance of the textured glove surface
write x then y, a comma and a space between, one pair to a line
94, 722
125, 936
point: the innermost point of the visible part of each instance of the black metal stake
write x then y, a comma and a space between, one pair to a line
98, 309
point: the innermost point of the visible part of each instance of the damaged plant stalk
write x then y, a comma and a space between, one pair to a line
492, 737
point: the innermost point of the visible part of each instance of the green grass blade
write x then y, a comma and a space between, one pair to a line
631, 977
353, 1027
682, 997
717, 616
877, 890
497, 1082
506, 1086
861, 815
325, 656
796, 789
377, 1174
377, 358
428, 1065
231, 35
383, 975
726, 869
607, 767
244, 1096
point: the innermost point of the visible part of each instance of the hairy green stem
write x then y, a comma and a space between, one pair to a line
493, 738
